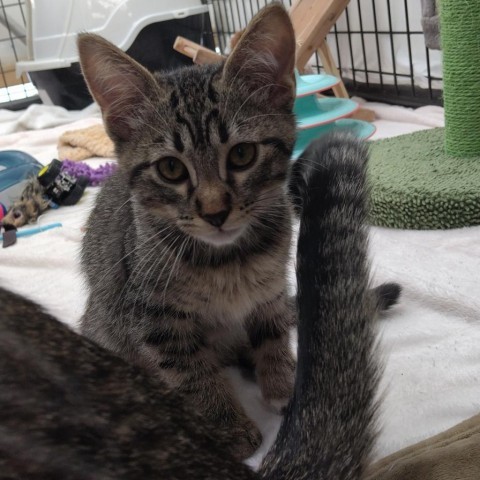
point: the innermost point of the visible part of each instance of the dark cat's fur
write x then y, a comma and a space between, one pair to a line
187, 249
70, 409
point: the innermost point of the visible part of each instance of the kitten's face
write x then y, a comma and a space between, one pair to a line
205, 148
208, 159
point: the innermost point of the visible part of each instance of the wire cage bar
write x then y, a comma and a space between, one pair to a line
15, 93
378, 46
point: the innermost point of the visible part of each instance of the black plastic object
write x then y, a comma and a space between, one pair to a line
48, 174
153, 48
61, 187
9, 235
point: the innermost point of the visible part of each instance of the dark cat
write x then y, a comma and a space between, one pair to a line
70, 409
187, 248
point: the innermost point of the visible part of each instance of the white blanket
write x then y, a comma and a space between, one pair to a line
430, 342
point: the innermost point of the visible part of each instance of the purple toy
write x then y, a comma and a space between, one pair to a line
3, 211
96, 176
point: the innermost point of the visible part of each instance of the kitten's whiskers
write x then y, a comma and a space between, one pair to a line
130, 253
150, 272
179, 254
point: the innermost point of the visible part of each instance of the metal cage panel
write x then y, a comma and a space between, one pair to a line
15, 92
378, 46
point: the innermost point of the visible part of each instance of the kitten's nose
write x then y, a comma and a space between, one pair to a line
216, 219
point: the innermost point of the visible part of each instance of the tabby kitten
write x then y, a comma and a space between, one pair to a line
187, 248
70, 409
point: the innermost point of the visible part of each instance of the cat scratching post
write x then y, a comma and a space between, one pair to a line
431, 179
460, 27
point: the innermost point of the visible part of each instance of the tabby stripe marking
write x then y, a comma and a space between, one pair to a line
277, 143
259, 333
137, 171
222, 131
176, 363
177, 141
158, 311
198, 124
183, 121
36, 205
213, 114
174, 100
212, 94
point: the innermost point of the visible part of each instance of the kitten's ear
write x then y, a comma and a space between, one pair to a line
117, 82
264, 57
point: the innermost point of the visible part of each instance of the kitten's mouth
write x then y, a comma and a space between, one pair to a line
222, 236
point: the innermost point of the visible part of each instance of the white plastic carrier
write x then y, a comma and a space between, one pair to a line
53, 25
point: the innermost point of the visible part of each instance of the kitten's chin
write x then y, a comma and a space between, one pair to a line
222, 238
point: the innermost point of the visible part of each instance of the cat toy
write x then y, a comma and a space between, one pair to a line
317, 116
51, 187
58, 183
95, 176
31, 204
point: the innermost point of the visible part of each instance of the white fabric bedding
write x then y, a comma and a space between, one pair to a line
430, 342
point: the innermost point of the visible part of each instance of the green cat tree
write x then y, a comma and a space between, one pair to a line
460, 27
431, 179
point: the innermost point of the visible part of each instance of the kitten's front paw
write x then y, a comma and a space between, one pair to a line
241, 436
277, 384
247, 439
277, 405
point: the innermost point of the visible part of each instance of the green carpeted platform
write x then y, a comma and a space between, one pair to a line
415, 185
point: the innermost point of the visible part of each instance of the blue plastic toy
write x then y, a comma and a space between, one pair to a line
33, 231
309, 84
16, 168
317, 116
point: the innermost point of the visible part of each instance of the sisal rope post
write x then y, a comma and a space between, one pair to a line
460, 33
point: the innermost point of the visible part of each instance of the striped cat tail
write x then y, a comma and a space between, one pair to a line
328, 429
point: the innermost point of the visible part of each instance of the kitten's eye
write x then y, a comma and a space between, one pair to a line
241, 156
172, 169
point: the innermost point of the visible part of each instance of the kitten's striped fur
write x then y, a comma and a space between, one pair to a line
186, 277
